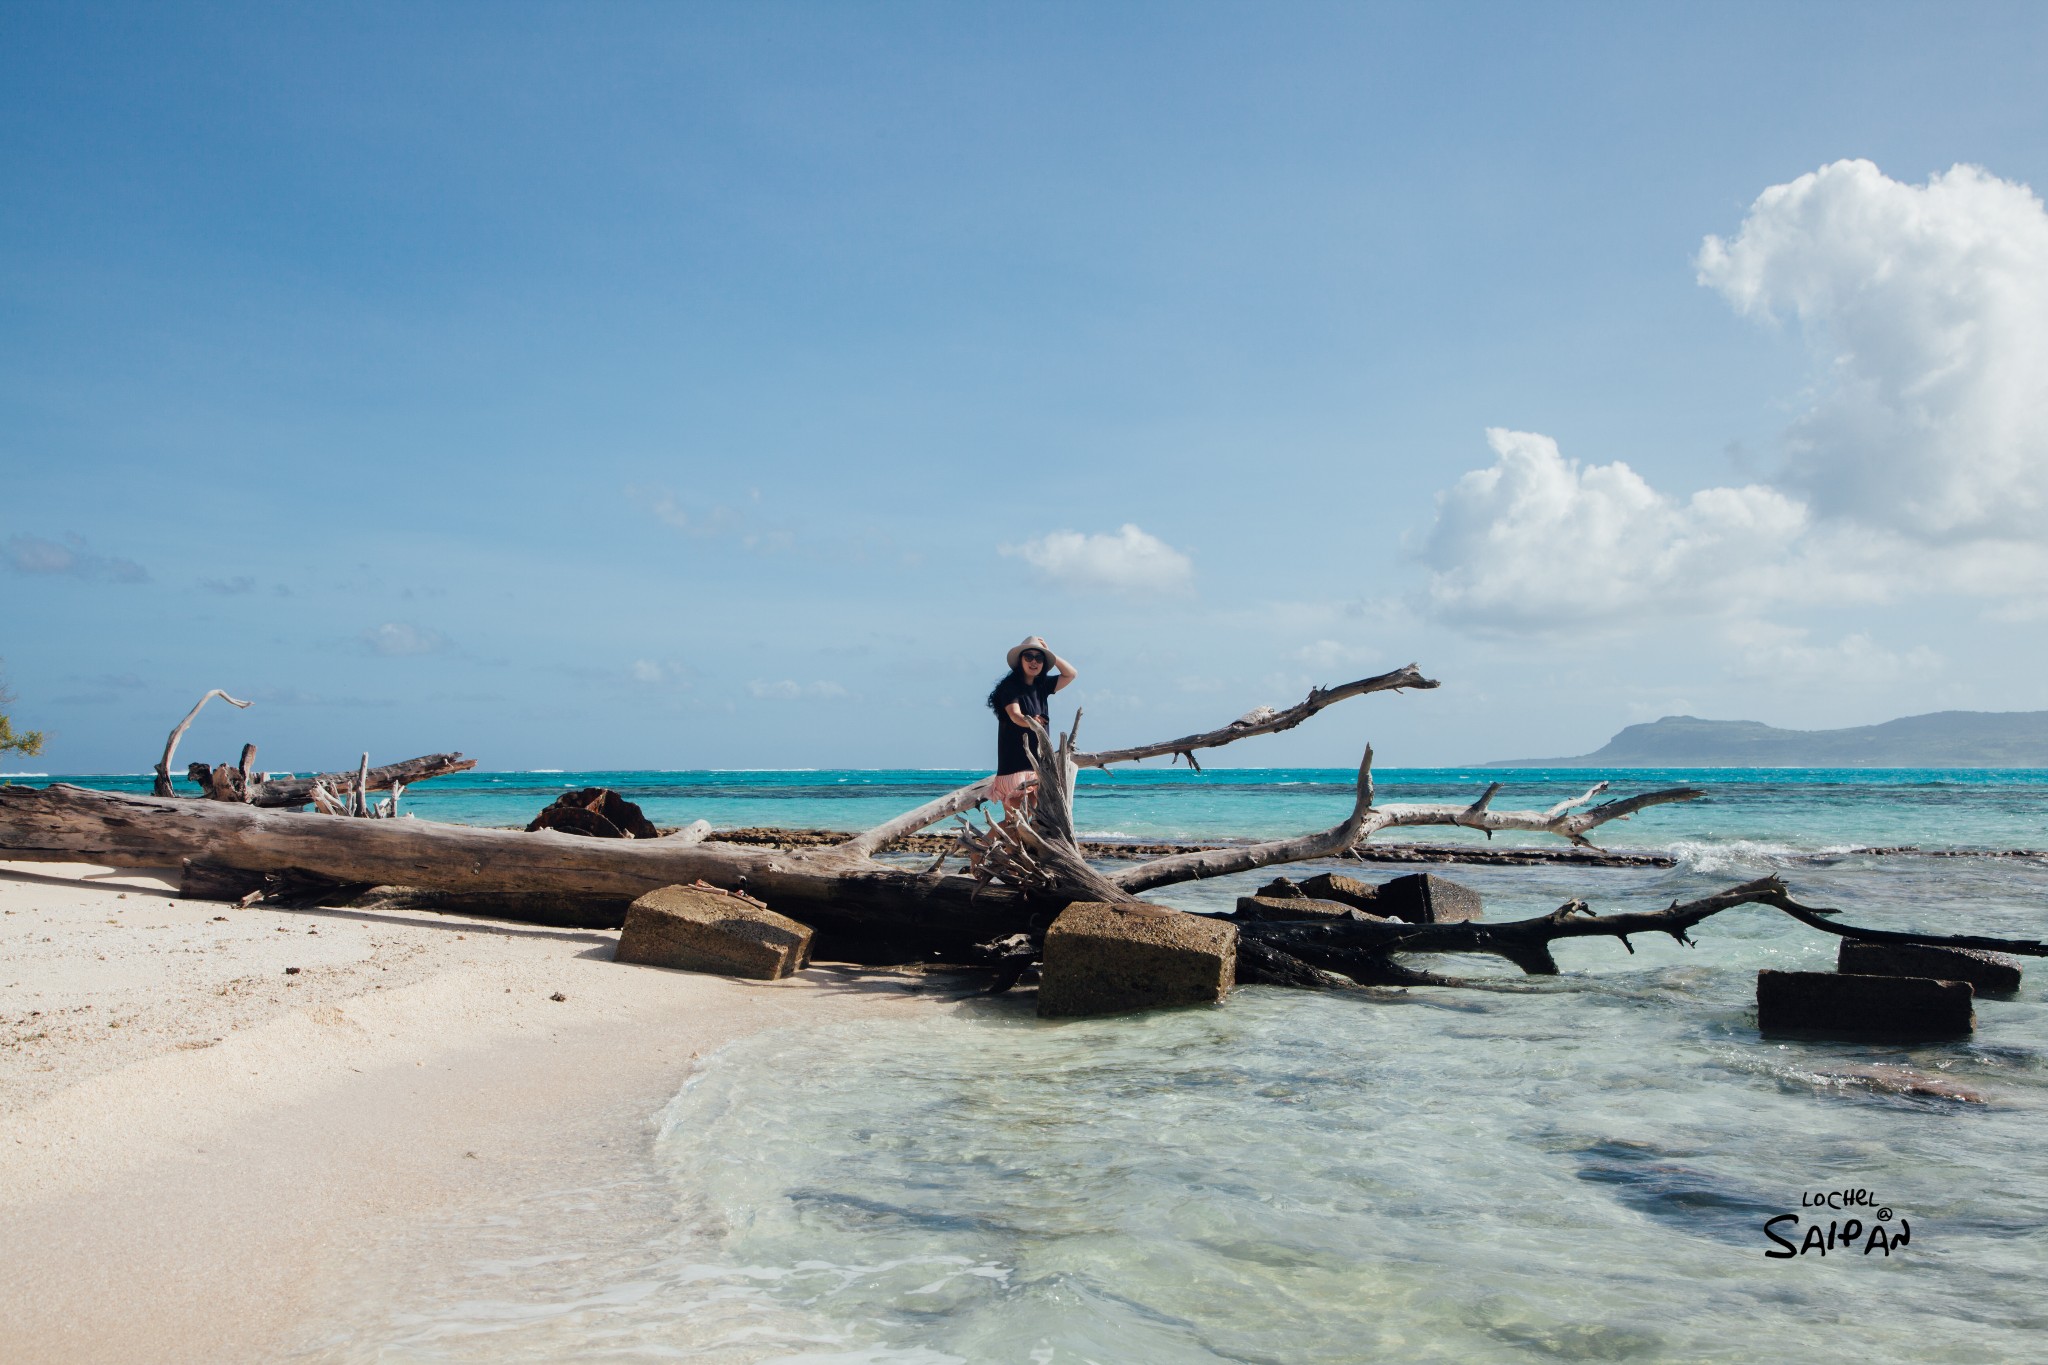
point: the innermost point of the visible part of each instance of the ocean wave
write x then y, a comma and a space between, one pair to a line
1739, 854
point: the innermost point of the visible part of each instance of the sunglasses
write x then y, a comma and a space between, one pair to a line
1033, 655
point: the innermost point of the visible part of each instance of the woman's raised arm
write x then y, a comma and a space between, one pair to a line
1067, 671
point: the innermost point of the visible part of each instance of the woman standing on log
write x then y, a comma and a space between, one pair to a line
1022, 696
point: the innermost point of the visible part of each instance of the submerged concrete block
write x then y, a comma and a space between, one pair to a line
1425, 898
1990, 973
694, 929
1109, 959
1904, 1008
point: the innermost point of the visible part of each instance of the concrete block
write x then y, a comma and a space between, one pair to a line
1990, 973
1292, 907
694, 929
1110, 959
1901, 1008
1335, 886
1425, 898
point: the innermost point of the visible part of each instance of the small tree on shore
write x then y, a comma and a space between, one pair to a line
30, 742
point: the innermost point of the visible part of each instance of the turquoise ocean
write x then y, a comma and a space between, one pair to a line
1577, 1168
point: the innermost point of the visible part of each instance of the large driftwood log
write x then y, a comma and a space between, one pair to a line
882, 906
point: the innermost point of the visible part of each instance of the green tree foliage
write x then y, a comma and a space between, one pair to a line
30, 742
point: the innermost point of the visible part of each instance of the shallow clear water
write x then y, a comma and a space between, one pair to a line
1575, 1169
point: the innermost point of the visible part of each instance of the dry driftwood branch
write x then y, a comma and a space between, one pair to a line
1359, 948
1366, 820
163, 765
1219, 862
1263, 721
1557, 820
930, 813
298, 791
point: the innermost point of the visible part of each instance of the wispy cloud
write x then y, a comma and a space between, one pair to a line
395, 639
659, 673
1335, 654
1131, 562
101, 689
295, 696
229, 587
691, 521
1785, 654
788, 689
69, 558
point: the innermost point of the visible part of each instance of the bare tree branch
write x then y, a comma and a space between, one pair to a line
1263, 721
1355, 947
866, 843
163, 765
1556, 820
1367, 820
1220, 862
298, 791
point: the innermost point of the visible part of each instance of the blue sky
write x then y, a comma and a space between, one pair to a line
720, 385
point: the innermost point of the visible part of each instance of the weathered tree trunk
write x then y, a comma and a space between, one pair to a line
843, 896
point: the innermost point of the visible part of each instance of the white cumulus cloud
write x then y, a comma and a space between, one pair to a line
1920, 461
1927, 309
1131, 562
1536, 541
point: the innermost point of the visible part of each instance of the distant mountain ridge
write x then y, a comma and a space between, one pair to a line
1940, 739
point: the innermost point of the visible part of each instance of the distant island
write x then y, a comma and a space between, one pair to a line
1941, 739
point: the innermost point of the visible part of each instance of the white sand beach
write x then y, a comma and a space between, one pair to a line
197, 1142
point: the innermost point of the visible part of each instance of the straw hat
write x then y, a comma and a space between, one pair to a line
1030, 642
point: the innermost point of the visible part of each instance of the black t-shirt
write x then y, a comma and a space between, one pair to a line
1031, 699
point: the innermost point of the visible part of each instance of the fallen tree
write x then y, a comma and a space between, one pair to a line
1023, 867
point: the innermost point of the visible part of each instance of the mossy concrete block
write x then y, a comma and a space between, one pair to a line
1335, 886
1899, 1008
1425, 898
1293, 907
1111, 959
694, 929
1990, 973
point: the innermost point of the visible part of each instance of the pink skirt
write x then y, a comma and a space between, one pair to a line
1009, 786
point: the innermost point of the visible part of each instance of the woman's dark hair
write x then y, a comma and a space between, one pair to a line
1002, 684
